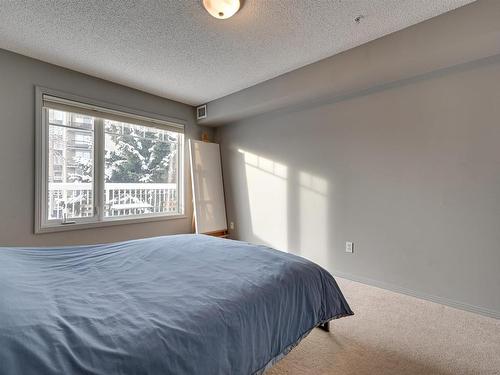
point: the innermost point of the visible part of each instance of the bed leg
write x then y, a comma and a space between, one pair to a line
325, 326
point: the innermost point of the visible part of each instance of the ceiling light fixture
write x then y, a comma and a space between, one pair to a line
222, 9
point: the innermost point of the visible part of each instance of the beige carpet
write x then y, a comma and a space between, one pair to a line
396, 334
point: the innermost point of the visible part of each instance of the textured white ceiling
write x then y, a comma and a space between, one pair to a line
175, 49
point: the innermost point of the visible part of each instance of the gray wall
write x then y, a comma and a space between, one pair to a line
18, 77
410, 172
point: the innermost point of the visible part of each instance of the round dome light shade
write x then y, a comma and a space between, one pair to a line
222, 9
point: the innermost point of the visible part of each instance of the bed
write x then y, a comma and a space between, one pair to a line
183, 304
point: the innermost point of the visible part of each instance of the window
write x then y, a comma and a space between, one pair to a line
82, 139
97, 165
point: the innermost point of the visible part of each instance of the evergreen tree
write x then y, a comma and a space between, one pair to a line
139, 155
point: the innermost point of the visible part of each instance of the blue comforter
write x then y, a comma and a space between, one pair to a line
185, 304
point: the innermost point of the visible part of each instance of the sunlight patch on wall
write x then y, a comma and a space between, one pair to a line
267, 196
313, 214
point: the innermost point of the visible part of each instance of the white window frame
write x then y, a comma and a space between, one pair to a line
42, 224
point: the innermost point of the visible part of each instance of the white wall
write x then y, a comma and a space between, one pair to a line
18, 77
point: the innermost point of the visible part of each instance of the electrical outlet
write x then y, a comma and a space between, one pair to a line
349, 247
231, 225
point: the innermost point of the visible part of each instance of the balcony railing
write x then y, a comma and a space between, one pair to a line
75, 200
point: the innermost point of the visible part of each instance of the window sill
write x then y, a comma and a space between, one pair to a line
106, 223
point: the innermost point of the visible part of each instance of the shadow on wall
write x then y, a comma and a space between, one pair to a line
287, 209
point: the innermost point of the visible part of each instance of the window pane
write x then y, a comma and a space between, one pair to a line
141, 170
73, 120
70, 168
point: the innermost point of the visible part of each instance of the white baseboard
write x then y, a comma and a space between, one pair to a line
429, 297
